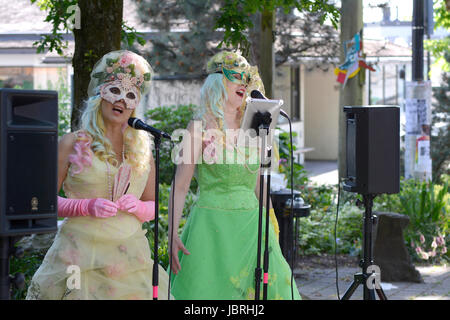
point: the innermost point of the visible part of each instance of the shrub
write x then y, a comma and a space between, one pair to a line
316, 234
27, 265
427, 205
284, 149
169, 119
163, 222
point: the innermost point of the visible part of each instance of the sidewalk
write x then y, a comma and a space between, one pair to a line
322, 172
320, 284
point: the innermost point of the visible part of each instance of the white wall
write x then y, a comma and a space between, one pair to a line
22, 60
321, 114
174, 92
282, 90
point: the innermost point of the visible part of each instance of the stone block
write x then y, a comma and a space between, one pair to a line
389, 250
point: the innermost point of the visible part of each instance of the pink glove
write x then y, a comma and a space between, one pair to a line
143, 210
98, 207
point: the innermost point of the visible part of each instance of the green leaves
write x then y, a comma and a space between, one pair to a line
235, 16
59, 15
129, 36
168, 119
441, 14
147, 76
163, 224
438, 47
425, 203
299, 174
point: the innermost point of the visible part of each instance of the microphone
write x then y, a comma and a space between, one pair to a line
256, 94
141, 125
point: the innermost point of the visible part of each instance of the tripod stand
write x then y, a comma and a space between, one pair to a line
365, 278
7, 249
262, 122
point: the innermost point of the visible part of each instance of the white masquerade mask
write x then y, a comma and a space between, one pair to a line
114, 91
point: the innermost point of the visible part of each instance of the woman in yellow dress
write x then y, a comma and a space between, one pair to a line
106, 170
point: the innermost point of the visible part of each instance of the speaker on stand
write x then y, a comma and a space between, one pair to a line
373, 162
28, 172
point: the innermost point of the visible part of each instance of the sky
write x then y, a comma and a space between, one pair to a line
400, 9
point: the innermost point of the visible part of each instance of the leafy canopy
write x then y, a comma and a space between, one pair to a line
235, 17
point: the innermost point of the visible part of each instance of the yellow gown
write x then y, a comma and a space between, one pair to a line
110, 255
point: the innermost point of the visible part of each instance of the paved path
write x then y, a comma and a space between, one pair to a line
320, 284
322, 172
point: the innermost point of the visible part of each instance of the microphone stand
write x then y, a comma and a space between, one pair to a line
157, 134
157, 140
264, 121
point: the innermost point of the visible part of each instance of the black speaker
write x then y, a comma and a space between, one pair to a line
373, 149
28, 161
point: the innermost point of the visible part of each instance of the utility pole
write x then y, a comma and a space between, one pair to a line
417, 40
352, 93
418, 105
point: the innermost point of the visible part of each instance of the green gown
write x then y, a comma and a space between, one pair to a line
221, 235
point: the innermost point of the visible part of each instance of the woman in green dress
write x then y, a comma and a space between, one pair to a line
215, 258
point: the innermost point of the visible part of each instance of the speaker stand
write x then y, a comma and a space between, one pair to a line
6, 250
363, 277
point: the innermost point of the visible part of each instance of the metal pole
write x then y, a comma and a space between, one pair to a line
417, 40
155, 279
396, 84
383, 82
5, 283
367, 244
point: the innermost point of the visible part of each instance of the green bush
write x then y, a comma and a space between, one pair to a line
440, 122
316, 232
27, 265
284, 149
168, 119
163, 223
427, 205
64, 102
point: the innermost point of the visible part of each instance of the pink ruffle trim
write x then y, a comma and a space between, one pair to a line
83, 153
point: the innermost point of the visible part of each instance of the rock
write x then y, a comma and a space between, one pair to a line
37, 242
389, 249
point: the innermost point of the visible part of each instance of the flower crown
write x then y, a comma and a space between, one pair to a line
128, 67
228, 60
255, 81
233, 61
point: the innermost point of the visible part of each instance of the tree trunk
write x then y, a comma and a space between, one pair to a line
352, 93
99, 33
266, 51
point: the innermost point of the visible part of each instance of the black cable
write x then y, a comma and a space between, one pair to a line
335, 239
171, 222
291, 215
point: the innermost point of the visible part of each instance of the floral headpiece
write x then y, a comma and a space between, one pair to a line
255, 82
229, 63
125, 68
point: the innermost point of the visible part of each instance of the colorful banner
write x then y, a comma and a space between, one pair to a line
353, 60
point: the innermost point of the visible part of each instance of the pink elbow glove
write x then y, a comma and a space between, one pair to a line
143, 210
98, 207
